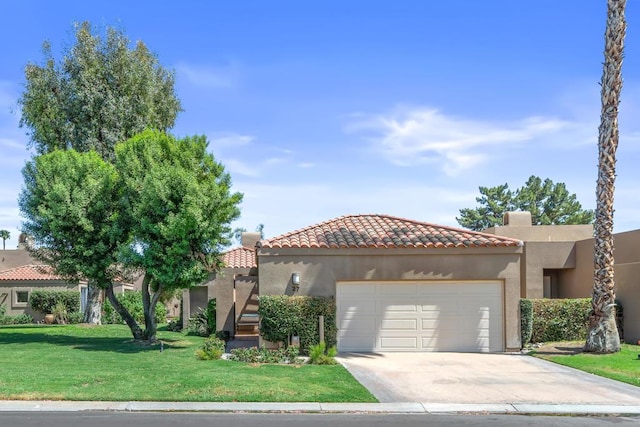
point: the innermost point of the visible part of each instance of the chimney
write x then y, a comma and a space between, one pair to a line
249, 239
522, 219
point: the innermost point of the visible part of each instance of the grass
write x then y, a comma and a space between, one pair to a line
622, 366
78, 362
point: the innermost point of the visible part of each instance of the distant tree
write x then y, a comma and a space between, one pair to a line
99, 93
549, 204
177, 204
4, 235
237, 232
602, 336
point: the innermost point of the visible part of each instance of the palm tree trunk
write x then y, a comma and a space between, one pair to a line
603, 335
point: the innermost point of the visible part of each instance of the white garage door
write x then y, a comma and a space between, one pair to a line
420, 316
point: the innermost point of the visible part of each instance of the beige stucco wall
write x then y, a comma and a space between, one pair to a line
320, 269
544, 233
9, 288
539, 256
578, 283
12, 258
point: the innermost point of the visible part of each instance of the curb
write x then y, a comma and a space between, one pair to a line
313, 407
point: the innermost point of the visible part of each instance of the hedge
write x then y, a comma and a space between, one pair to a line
556, 319
526, 320
132, 300
282, 316
44, 301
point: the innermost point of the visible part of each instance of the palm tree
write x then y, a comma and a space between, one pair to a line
4, 235
603, 335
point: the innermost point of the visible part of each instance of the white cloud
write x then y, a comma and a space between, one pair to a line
226, 140
212, 77
235, 166
426, 135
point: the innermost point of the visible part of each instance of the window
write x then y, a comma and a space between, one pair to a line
20, 297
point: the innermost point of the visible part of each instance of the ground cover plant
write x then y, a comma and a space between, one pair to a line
80, 362
622, 366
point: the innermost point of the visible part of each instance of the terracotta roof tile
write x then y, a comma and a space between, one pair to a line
240, 258
29, 272
384, 231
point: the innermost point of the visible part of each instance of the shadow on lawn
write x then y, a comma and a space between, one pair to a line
107, 344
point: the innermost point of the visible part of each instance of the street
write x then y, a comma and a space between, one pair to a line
114, 419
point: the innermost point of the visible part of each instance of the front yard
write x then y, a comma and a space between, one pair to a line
80, 362
622, 366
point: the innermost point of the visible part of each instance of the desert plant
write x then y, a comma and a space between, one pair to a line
60, 313
211, 349
321, 355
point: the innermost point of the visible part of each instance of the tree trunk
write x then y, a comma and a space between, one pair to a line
93, 309
602, 336
136, 331
149, 304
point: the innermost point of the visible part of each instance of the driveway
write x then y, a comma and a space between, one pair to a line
482, 378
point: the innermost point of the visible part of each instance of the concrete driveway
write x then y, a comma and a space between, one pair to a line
481, 378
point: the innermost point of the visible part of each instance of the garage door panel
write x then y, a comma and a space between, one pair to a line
425, 316
399, 324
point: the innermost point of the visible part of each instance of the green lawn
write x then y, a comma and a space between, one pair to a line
622, 366
103, 363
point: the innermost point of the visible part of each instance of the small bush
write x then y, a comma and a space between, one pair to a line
212, 349
264, 355
45, 301
20, 319
203, 322
526, 321
132, 301
560, 319
60, 314
175, 325
75, 318
320, 355
282, 316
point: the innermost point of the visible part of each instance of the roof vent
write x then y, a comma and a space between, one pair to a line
517, 218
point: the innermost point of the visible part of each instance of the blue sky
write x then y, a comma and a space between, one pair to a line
325, 108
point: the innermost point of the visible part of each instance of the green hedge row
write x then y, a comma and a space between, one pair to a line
544, 320
132, 300
283, 316
45, 301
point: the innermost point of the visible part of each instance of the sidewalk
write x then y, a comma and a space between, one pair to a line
313, 407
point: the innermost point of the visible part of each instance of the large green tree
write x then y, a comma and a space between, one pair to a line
178, 204
98, 93
602, 336
549, 203
163, 208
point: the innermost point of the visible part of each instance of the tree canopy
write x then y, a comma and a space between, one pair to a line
99, 93
163, 208
549, 203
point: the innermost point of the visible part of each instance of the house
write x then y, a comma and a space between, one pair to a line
21, 274
399, 284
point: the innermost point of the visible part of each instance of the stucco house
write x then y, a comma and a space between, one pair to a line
405, 285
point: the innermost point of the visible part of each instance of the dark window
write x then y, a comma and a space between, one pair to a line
22, 297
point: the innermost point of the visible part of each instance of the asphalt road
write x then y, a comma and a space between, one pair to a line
115, 419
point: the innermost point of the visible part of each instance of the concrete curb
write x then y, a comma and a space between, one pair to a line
314, 407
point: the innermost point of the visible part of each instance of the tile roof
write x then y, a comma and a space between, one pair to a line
29, 272
240, 258
384, 231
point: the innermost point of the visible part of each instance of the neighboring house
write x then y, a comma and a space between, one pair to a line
21, 274
404, 285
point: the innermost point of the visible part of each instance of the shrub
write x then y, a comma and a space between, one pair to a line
211, 349
60, 313
75, 318
20, 319
282, 316
264, 355
175, 325
3, 310
45, 301
560, 319
203, 322
132, 301
526, 320
320, 355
